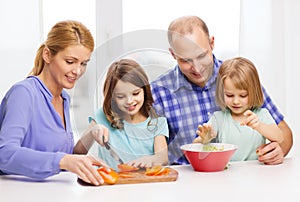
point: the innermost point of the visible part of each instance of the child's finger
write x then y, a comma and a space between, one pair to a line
248, 113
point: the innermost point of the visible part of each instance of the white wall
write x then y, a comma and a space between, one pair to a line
261, 40
269, 36
20, 37
291, 32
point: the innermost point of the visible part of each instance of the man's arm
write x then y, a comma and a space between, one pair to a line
273, 153
287, 142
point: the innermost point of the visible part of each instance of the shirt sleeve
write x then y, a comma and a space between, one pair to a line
15, 158
270, 106
216, 121
162, 127
265, 116
158, 93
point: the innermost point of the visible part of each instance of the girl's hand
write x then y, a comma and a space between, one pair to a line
95, 132
251, 120
83, 167
143, 162
100, 133
205, 134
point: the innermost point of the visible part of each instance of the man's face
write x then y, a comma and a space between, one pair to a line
193, 53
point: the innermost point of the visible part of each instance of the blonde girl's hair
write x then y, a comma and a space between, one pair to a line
62, 35
244, 76
126, 70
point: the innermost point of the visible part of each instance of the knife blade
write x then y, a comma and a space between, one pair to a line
112, 152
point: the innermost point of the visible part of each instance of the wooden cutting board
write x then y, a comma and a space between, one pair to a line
140, 177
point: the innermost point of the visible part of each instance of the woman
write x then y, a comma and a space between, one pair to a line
36, 139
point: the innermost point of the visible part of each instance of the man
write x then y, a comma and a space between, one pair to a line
185, 95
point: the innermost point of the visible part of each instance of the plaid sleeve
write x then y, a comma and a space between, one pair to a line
270, 106
157, 94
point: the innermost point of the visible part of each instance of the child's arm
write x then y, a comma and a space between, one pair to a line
94, 132
205, 134
270, 131
160, 156
160, 150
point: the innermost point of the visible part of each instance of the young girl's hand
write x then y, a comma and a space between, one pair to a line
251, 120
100, 133
143, 162
205, 134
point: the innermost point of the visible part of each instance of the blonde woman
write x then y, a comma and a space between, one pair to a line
36, 138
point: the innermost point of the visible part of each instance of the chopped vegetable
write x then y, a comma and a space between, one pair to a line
212, 148
157, 171
108, 177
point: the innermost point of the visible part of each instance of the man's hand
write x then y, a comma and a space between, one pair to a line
270, 154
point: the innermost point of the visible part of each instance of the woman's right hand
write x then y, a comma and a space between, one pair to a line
84, 167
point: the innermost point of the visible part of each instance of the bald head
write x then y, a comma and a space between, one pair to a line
186, 25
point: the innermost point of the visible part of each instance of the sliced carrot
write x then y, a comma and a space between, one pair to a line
163, 171
153, 170
108, 177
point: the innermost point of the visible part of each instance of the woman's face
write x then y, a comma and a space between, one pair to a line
129, 98
66, 67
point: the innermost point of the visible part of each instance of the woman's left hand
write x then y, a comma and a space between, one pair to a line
83, 167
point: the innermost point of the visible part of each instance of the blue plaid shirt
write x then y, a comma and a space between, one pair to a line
186, 105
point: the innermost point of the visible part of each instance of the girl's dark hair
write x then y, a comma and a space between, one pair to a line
130, 71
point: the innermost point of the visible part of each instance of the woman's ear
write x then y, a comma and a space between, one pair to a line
46, 54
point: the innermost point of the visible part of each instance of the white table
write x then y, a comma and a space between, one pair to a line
242, 181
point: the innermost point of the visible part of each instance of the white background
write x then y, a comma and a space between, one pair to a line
267, 32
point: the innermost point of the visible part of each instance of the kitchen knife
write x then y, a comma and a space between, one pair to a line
112, 152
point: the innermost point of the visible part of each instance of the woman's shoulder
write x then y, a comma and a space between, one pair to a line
25, 83
24, 87
32, 84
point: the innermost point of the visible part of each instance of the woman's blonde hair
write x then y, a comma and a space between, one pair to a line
62, 35
126, 70
244, 76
